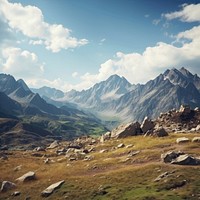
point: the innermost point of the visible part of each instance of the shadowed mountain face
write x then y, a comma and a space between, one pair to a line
27, 119
117, 97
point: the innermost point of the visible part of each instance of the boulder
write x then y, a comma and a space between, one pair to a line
48, 191
198, 127
147, 125
130, 129
186, 160
27, 177
160, 132
170, 155
196, 139
7, 185
53, 145
182, 140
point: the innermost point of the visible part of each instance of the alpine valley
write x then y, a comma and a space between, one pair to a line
115, 100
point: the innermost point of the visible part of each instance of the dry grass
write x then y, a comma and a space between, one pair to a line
120, 179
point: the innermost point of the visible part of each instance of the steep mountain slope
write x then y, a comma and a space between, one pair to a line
168, 90
9, 107
51, 93
111, 89
36, 117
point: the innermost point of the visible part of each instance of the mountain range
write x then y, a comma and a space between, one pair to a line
26, 118
117, 99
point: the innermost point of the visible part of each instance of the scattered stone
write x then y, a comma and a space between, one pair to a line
147, 125
39, 149
16, 193
186, 160
120, 145
72, 159
160, 132
171, 155
182, 140
89, 157
27, 177
179, 158
133, 153
163, 175
196, 139
131, 129
37, 154
198, 127
18, 168
103, 151
46, 161
129, 146
53, 145
105, 136
7, 185
49, 190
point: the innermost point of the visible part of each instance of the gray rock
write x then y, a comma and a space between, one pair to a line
186, 160
198, 128
16, 193
182, 140
170, 156
196, 139
105, 136
120, 145
147, 125
53, 145
131, 129
7, 185
27, 177
49, 190
160, 132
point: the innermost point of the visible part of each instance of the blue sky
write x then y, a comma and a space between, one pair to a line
74, 44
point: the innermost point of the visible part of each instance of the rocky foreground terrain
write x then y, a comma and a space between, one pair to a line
160, 160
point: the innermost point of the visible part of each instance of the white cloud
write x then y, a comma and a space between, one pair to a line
102, 41
138, 68
156, 22
30, 21
74, 74
21, 63
189, 13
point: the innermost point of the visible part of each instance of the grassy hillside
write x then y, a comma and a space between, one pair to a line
109, 175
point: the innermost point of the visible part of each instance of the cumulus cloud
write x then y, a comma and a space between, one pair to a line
138, 68
21, 63
29, 20
189, 13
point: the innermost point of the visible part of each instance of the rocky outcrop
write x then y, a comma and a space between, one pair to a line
27, 177
147, 125
131, 129
49, 190
183, 120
